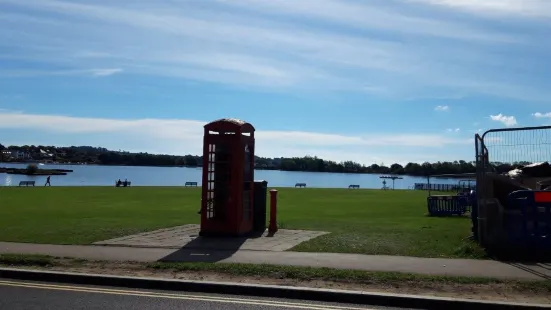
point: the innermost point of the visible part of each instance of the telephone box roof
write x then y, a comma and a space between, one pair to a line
229, 124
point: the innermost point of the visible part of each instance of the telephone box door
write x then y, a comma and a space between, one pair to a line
218, 181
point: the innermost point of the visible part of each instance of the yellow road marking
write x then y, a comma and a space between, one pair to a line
176, 296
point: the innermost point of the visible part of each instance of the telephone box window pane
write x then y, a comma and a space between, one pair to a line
210, 208
221, 179
247, 182
246, 205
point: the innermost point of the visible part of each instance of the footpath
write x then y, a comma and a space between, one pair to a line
414, 265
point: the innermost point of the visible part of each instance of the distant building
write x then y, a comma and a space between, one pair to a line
18, 155
46, 153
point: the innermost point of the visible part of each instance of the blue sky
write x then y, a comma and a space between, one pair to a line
372, 81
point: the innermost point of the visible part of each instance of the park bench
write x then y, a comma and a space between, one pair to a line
123, 184
26, 183
190, 184
354, 186
300, 185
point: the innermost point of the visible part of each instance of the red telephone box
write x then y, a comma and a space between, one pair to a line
228, 178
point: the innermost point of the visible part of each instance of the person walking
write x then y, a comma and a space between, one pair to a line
48, 181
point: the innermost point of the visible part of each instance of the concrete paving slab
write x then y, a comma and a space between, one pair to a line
187, 236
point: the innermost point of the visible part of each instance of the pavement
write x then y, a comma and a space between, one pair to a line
414, 265
26, 295
188, 236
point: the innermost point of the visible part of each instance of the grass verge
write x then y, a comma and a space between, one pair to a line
26, 260
360, 221
340, 275
299, 275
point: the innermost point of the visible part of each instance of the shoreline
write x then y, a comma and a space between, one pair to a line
39, 172
270, 187
455, 177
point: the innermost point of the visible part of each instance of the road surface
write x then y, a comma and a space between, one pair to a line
19, 295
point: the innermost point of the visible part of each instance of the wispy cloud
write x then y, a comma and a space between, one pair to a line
453, 129
9, 111
373, 16
11, 97
385, 48
105, 72
38, 73
185, 136
436, 96
542, 115
530, 8
508, 121
442, 108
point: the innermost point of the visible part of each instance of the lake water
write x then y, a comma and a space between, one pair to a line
92, 175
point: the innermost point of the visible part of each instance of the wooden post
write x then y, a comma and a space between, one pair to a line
272, 228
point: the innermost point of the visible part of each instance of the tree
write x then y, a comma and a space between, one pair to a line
32, 169
396, 169
102, 156
2, 147
427, 168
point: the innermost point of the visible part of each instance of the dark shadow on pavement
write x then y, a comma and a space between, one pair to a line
522, 255
209, 249
542, 270
534, 261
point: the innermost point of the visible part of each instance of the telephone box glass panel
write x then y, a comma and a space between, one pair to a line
247, 182
220, 177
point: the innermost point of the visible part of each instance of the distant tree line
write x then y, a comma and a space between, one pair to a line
103, 156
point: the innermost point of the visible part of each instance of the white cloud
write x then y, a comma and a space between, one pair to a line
442, 108
453, 129
255, 44
370, 17
542, 115
105, 72
178, 136
508, 121
529, 8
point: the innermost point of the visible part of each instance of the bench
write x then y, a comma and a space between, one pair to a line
26, 183
300, 185
123, 184
190, 184
354, 186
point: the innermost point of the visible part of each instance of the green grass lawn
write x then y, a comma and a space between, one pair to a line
360, 221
